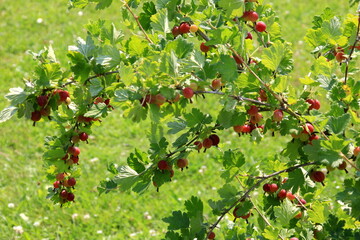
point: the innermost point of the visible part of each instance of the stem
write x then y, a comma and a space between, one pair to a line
290, 169
352, 49
137, 21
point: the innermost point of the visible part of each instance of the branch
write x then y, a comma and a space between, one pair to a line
352, 49
137, 21
290, 169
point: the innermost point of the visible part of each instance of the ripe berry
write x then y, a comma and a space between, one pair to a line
246, 128
249, 36
70, 197
204, 48
216, 83
163, 165
290, 196
267, 187
282, 194
340, 56
253, 110
246, 216
273, 187
215, 139
317, 176
194, 28
298, 216
314, 137
71, 182
74, 151
314, 104
74, 159
356, 151
198, 144
302, 201
278, 115
234, 212
342, 166
250, 16
207, 143
45, 112
308, 128
56, 184
184, 28
256, 118
188, 92
63, 95
63, 194
36, 116
60, 176
211, 235
237, 59
238, 128
107, 101
175, 31
98, 100
182, 162
293, 238
159, 99
42, 100
263, 95
260, 26
83, 136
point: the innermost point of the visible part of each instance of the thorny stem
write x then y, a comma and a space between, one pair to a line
137, 21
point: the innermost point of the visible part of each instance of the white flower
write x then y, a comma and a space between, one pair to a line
152, 232
39, 20
11, 205
99, 232
87, 216
75, 215
24, 217
80, 13
36, 224
18, 229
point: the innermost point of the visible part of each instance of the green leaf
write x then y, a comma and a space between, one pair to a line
144, 18
338, 125
126, 177
110, 58
197, 117
16, 96
7, 113
48, 72
79, 3
86, 48
285, 212
160, 22
135, 161
178, 220
317, 213
278, 58
233, 159
295, 181
136, 46
230, 5
225, 118
175, 127
227, 68
53, 154
102, 4
180, 46
351, 195
317, 153
127, 74
96, 110
96, 87
81, 67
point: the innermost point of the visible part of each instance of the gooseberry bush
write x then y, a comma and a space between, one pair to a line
169, 57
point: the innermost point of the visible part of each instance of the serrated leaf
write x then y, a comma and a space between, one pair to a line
160, 22
102, 4
182, 140
317, 213
295, 181
96, 110
86, 48
95, 87
278, 58
285, 212
110, 57
126, 177
7, 113
320, 154
338, 124
16, 96
227, 68
178, 220
136, 46
135, 161
175, 127
233, 159
230, 5
180, 46
197, 117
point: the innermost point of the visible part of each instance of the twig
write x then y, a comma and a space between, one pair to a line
137, 21
352, 49
290, 169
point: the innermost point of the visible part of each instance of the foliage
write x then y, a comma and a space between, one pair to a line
154, 73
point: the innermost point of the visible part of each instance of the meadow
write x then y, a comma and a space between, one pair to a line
25, 213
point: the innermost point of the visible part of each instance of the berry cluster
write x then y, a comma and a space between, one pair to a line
63, 186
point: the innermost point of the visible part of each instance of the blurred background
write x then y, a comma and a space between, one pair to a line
24, 211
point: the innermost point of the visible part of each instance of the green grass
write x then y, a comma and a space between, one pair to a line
116, 215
